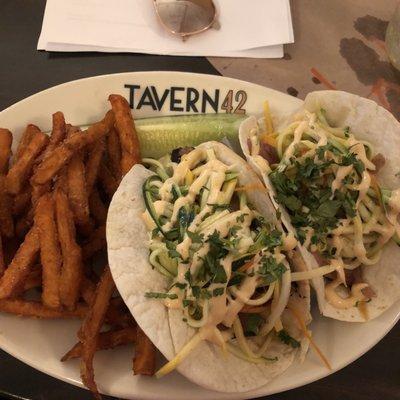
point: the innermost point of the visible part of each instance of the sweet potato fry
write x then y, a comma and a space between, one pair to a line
25, 308
50, 253
96, 242
126, 131
88, 289
20, 171
62, 180
23, 224
2, 261
107, 181
77, 194
106, 340
89, 332
71, 272
118, 303
87, 229
34, 279
58, 132
26, 138
117, 314
49, 167
114, 153
144, 362
6, 220
57, 135
10, 248
5, 149
93, 163
22, 201
37, 191
21, 265
97, 208
118, 317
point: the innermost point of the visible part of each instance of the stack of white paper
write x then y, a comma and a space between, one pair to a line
248, 28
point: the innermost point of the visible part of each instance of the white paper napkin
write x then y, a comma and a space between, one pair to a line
249, 28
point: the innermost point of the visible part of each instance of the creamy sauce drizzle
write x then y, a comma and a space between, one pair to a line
337, 301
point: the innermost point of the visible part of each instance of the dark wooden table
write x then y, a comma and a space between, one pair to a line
24, 71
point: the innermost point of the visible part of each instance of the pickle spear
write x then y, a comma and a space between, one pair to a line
160, 135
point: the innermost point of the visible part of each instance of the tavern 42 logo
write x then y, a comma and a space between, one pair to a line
187, 99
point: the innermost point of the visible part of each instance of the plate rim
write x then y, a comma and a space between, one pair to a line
323, 372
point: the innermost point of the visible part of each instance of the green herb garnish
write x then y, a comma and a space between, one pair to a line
241, 218
252, 324
218, 291
195, 237
157, 295
287, 339
270, 270
172, 249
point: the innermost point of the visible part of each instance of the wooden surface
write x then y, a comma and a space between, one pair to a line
339, 44
24, 71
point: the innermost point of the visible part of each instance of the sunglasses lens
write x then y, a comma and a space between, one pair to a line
185, 16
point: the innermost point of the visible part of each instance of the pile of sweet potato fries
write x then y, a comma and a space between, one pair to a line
54, 195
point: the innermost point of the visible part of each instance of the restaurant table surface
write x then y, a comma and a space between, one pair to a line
338, 45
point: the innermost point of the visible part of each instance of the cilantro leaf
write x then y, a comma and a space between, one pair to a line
270, 270
328, 209
233, 230
236, 279
172, 249
216, 207
287, 339
266, 239
252, 324
155, 232
212, 259
301, 235
157, 295
195, 237
188, 276
176, 193
171, 235
257, 223
218, 291
328, 147
186, 302
282, 183
183, 221
180, 285
351, 159
241, 217
184, 190
291, 202
196, 291
205, 294
197, 314
220, 275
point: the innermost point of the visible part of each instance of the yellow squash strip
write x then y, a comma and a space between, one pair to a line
186, 349
307, 334
268, 120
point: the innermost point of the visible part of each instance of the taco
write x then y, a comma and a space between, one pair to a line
332, 171
207, 271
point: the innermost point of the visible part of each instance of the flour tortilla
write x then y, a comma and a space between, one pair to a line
370, 122
128, 252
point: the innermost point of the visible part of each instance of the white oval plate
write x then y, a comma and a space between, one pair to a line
40, 344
